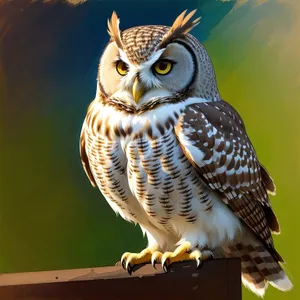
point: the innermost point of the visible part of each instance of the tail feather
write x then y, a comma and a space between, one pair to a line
252, 279
257, 288
282, 282
259, 267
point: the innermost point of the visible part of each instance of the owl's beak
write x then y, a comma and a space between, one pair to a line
138, 90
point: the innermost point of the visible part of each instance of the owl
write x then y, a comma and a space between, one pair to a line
169, 154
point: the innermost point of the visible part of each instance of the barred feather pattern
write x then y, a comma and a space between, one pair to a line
214, 138
150, 167
141, 41
229, 163
139, 166
258, 266
145, 163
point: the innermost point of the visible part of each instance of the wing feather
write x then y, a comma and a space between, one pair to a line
84, 158
267, 180
213, 137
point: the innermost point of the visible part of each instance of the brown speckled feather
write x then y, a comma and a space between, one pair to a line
267, 180
229, 164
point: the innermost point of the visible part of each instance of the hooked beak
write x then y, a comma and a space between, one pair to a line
138, 90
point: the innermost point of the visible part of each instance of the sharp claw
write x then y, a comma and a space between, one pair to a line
129, 269
123, 263
153, 264
199, 263
165, 266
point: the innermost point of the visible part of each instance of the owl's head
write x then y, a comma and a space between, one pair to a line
144, 66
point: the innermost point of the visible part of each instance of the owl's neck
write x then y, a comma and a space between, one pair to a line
105, 119
154, 104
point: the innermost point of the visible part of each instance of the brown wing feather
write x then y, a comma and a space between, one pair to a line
230, 165
84, 158
267, 180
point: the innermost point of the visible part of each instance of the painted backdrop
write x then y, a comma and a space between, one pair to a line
50, 216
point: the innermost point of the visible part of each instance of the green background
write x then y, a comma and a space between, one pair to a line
50, 216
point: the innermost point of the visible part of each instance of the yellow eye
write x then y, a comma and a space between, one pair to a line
121, 67
163, 67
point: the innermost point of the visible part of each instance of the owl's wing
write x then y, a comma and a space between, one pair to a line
213, 137
84, 158
267, 180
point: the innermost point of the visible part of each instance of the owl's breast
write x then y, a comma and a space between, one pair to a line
139, 165
161, 177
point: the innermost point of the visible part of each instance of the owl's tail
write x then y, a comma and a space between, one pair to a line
260, 267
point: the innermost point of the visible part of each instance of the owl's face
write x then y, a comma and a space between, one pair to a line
148, 64
163, 74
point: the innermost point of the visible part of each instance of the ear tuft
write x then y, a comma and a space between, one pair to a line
114, 30
181, 26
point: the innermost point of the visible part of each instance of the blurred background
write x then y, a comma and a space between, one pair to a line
50, 216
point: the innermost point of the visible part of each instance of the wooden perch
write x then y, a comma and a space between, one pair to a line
218, 279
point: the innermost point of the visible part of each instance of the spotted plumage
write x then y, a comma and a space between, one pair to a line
169, 154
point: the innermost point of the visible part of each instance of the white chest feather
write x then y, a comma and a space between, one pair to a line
145, 176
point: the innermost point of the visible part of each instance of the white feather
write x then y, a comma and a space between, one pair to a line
211, 228
283, 284
258, 291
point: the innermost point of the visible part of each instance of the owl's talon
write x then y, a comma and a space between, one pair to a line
129, 269
129, 260
185, 253
153, 262
166, 265
124, 259
201, 256
199, 263
156, 258
123, 263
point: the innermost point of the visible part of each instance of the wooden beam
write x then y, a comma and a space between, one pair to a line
218, 279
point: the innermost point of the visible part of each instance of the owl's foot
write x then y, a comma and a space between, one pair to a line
181, 253
129, 260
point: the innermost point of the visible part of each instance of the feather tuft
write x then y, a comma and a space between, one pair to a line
181, 26
114, 30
